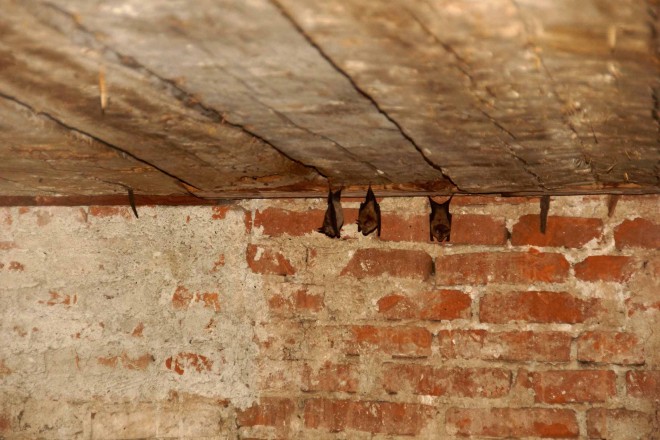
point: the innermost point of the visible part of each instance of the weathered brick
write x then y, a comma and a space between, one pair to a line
605, 268
127, 362
16, 266
478, 230
618, 424
270, 411
4, 369
500, 267
644, 384
110, 211
300, 301
506, 346
268, 261
330, 377
453, 382
393, 262
374, 417
275, 221
62, 299
570, 232
610, 347
435, 306
183, 362
404, 228
573, 386
541, 307
395, 341
639, 232
182, 298
512, 422
5, 423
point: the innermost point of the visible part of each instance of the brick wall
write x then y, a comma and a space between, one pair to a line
239, 321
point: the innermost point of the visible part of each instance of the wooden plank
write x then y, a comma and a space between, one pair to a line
46, 73
40, 157
389, 54
246, 61
601, 61
453, 58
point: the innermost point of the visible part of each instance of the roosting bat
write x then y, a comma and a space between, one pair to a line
545, 207
440, 220
369, 215
334, 216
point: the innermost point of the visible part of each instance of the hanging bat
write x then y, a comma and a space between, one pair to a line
369, 215
440, 221
545, 207
334, 216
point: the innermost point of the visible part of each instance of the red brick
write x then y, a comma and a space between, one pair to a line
299, 301
220, 212
505, 346
573, 386
452, 382
644, 384
395, 341
541, 307
276, 222
619, 424
500, 267
570, 232
393, 262
183, 362
330, 377
270, 411
512, 422
478, 230
409, 228
637, 233
374, 417
610, 347
435, 306
605, 268
268, 261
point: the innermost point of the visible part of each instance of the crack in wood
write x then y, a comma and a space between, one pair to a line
359, 89
288, 120
184, 184
179, 93
463, 66
525, 166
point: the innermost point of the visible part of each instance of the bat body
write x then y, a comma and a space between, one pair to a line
334, 216
545, 207
369, 215
440, 221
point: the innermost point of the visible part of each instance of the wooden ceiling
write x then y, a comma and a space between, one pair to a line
271, 98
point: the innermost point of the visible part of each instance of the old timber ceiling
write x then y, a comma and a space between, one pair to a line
267, 98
